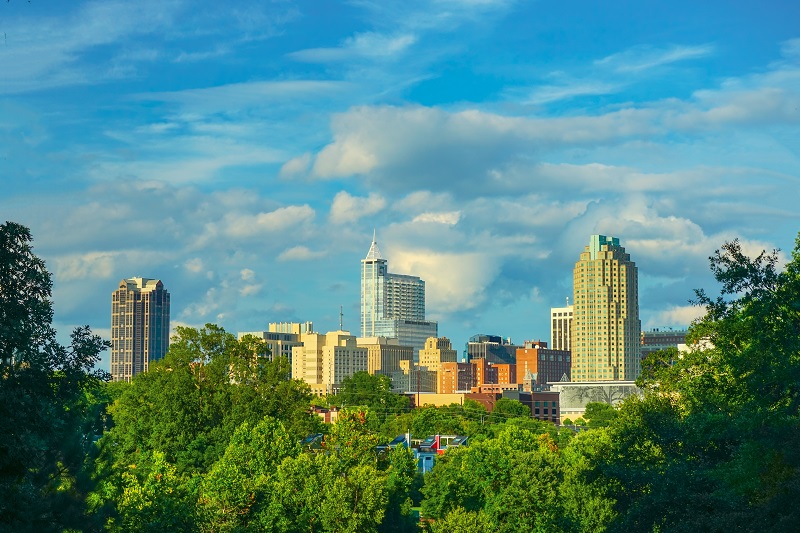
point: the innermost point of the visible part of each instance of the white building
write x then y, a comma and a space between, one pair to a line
393, 305
560, 327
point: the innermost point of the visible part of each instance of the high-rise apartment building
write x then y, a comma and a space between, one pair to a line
560, 327
605, 324
393, 305
139, 326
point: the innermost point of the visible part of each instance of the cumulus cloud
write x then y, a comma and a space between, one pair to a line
453, 281
346, 208
674, 316
195, 265
296, 166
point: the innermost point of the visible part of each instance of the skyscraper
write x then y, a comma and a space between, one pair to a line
605, 323
139, 326
393, 305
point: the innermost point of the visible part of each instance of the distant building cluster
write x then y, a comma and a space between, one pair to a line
594, 352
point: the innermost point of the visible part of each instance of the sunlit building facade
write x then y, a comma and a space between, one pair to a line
606, 330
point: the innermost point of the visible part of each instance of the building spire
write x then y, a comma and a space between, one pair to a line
374, 253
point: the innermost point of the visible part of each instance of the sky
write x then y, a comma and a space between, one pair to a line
245, 152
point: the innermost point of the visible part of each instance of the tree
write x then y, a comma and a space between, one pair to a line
337, 489
189, 404
506, 408
236, 490
373, 391
599, 414
43, 388
718, 430
153, 500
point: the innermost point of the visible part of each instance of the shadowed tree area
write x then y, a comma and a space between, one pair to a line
46, 422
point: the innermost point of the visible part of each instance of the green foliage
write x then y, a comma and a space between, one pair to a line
189, 404
338, 489
153, 499
371, 391
506, 408
487, 475
46, 408
236, 491
459, 520
600, 414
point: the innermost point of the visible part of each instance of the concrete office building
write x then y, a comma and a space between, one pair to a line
605, 339
492, 348
393, 305
323, 361
661, 339
542, 364
437, 351
281, 337
560, 327
384, 355
139, 326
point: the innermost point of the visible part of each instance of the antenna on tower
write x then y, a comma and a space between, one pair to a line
341, 318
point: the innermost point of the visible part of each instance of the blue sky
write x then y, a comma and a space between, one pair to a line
243, 153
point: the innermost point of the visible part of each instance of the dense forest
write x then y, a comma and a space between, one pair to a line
210, 439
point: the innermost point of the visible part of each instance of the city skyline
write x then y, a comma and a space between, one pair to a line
243, 154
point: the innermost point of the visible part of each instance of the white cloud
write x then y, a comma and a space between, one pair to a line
675, 316
370, 45
97, 265
247, 274
454, 281
640, 58
299, 253
346, 208
296, 166
282, 219
195, 265
450, 218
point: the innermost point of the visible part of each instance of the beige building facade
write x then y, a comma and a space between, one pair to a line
323, 361
606, 330
437, 350
384, 354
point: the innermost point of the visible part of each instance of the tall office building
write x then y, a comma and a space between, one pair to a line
139, 326
560, 324
393, 305
605, 323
